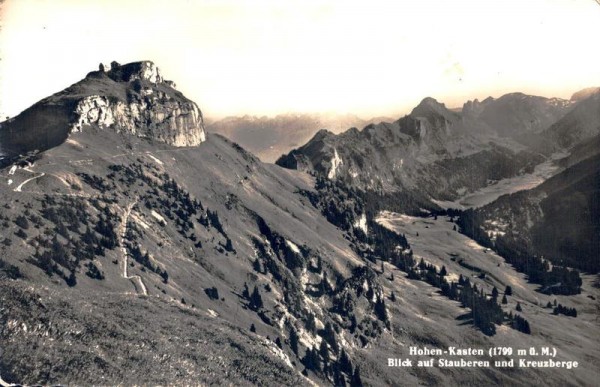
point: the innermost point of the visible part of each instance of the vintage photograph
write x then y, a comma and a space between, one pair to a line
299, 193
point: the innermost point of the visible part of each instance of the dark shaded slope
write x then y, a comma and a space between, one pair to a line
42, 126
580, 124
517, 114
557, 220
570, 231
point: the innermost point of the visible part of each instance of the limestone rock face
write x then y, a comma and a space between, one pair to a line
152, 108
154, 116
132, 99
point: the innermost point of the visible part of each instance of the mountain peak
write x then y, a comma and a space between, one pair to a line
321, 134
433, 111
428, 106
143, 70
133, 98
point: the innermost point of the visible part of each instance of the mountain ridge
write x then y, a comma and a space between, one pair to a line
132, 98
270, 137
512, 130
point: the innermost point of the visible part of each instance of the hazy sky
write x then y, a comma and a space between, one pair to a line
267, 57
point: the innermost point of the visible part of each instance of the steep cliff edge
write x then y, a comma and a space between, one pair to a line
133, 99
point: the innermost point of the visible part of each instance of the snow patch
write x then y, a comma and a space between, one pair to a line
13, 169
139, 221
304, 279
336, 161
361, 223
452, 277
278, 352
293, 246
74, 143
158, 217
308, 340
212, 313
385, 218
10, 181
155, 159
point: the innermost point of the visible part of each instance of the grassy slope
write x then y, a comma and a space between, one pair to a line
212, 172
104, 328
574, 338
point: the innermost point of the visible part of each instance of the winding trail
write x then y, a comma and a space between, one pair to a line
136, 279
19, 188
4, 383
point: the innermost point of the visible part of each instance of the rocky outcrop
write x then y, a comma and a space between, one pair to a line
432, 152
132, 99
153, 109
154, 116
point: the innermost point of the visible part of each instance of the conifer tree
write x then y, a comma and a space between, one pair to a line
246, 292
380, 310
72, 280
345, 363
443, 271
311, 324
324, 351
356, 380
338, 377
329, 336
255, 299
294, 340
256, 265
494, 294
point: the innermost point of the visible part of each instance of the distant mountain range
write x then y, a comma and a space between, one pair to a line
270, 137
445, 153
137, 249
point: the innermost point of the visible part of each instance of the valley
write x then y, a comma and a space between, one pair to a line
138, 249
494, 190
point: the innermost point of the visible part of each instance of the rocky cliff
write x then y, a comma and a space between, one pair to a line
432, 151
133, 99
